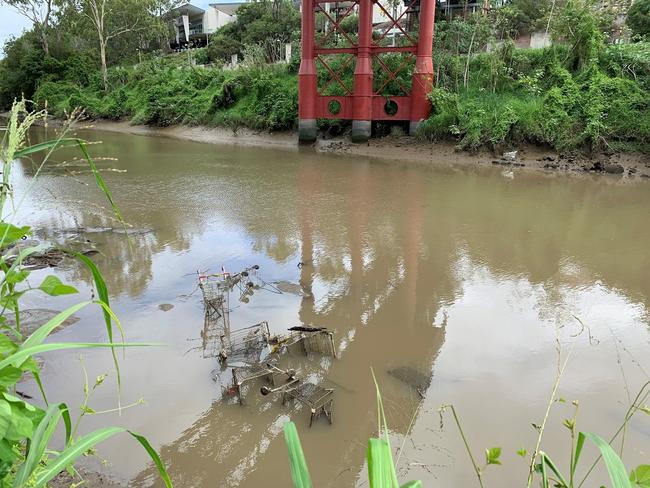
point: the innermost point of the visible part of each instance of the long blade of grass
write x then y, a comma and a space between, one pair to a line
71, 453
299, 470
544, 473
384, 427
154, 457
40, 334
546, 461
47, 145
380, 464
22, 354
412, 484
39, 442
579, 444
100, 182
102, 293
613, 463
101, 288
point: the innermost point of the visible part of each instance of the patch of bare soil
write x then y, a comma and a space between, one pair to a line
87, 479
408, 149
404, 149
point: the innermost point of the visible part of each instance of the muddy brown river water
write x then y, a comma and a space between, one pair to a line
452, 284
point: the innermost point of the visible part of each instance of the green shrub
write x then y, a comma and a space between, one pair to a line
638, 18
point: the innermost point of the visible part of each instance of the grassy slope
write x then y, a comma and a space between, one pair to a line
530, 96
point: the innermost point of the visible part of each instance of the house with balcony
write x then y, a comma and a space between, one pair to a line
193, 25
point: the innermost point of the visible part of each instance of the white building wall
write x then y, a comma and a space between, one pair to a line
378, 15
539, 40
214, 19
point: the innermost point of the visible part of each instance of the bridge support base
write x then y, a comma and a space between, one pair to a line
361, 130
413, 127
307, 130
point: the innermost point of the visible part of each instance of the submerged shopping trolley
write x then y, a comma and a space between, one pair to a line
267, 371
318, 399
248, 345
216, 288
308, 339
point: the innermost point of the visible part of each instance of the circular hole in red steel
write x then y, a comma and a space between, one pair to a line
334, 107
390, 107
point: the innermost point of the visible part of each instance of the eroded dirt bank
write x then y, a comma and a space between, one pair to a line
400, 149
403, 149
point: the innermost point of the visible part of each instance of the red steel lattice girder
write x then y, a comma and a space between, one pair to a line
363, 102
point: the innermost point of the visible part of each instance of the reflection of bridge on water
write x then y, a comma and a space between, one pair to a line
382, 318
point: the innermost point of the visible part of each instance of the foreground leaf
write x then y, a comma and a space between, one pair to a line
40, 334
109, 316
44, 146
9, 234
22, 420
71, 453
154, 457
640, 477
100, 182
613, 463
299, 470
23, 354
547, 463
380, 464
492, 455
40, 441
54, 287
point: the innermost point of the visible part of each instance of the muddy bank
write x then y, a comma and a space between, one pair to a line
404, 149
397, 149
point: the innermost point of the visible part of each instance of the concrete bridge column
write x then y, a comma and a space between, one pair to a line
307, 80
362, 110
423, 74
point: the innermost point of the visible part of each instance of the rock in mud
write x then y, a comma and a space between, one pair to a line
165, 307
597, 166
103, 230
292, 288
48, 255
32, 319
415, 378
613, 168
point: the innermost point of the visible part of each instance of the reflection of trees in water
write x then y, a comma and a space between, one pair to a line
126, 267
393, 237
279, 248
387, 303
390, 237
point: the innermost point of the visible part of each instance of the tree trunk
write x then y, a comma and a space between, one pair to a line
44, 42
102, 53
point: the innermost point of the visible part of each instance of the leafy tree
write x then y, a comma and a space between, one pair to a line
112, 19
581, 25
265, 23
22, 67
638, 18
520, 16
39, 12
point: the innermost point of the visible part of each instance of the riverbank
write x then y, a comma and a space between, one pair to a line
628, 166
402, 149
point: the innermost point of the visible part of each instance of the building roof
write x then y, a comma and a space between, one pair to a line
229, 8
186, 9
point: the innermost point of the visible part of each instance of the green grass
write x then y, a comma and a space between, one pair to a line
511, 97
160, 93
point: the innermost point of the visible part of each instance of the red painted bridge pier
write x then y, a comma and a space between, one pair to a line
393, 69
